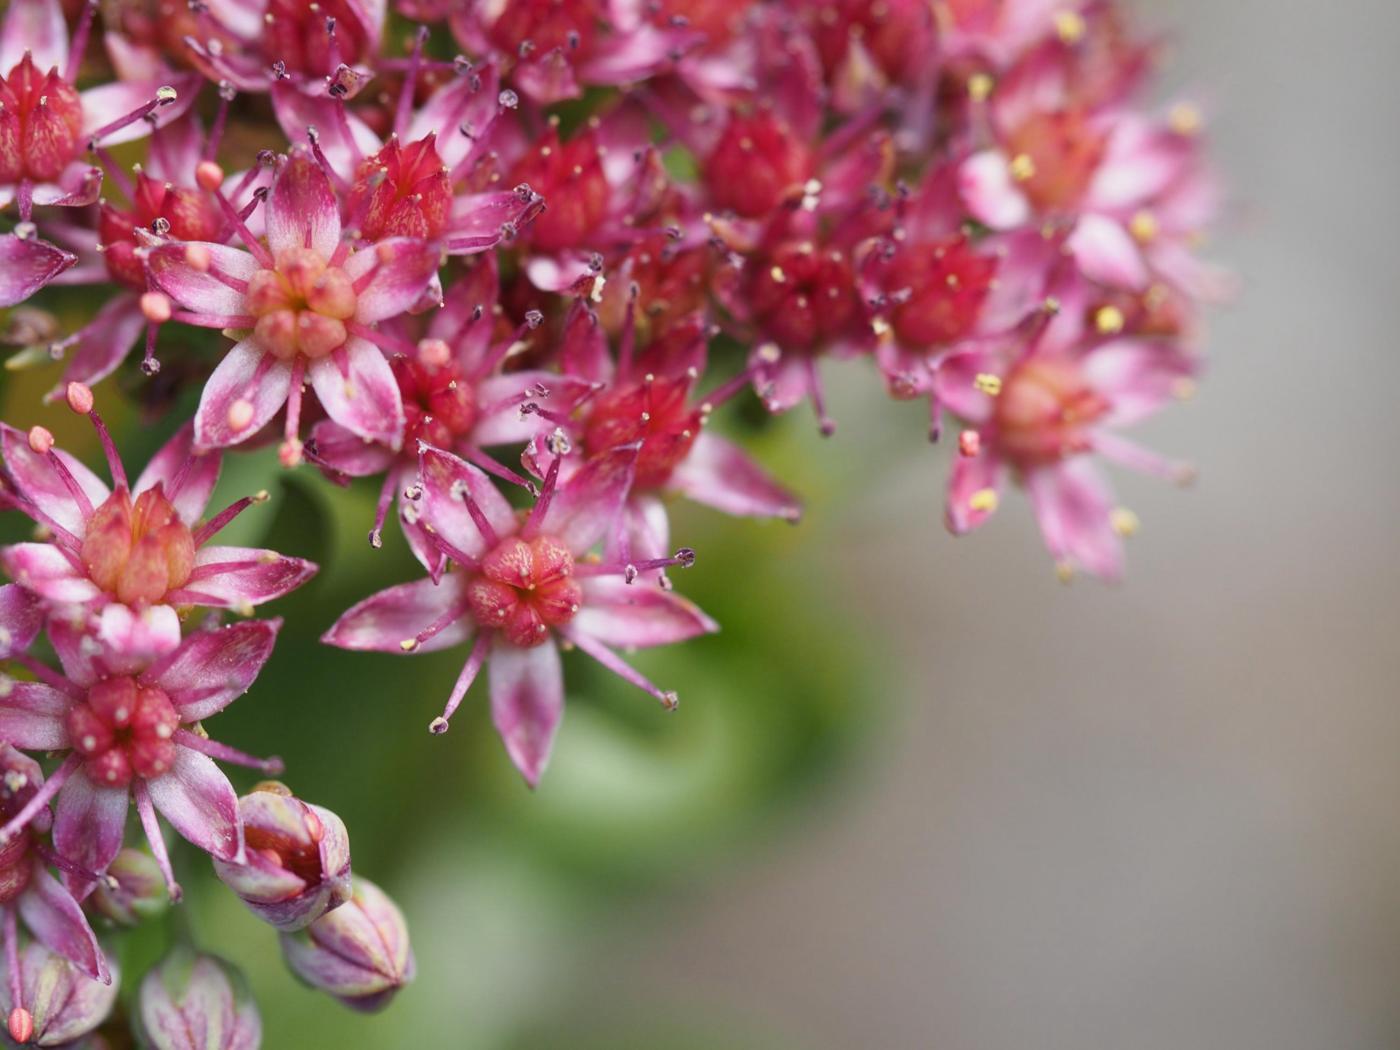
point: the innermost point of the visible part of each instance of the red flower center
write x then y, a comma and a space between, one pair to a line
295, 34
138, 553
547, 25
524, 588
945, 284
802, 296
191, 215
1055, 156
654, 413
301, 305
757, 163
570, 177
439, 404
402, 191
1044, 412
40, 118
124, 729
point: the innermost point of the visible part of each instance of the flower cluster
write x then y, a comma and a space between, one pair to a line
510, 260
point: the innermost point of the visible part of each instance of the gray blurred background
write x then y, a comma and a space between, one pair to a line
1162, 815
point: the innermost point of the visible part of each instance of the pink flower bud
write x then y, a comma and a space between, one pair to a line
60, 1004
139, 891
197, 1002
298, 865
358, 953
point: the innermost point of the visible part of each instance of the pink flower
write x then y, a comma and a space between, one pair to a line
308, 302
135, 736
1037, 407
120, 560
46, 125
27, 891
456, 398
522, 585
429, 178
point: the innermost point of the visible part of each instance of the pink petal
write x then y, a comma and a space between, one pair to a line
200, 804
482, 220
464, 102
102, 105
40, 484
21, 620
237, 378
584, 508
384, 620
1137, 376
584, 348
1107, 253
35, 26
444, 476
1074, 508
637, 615
78, 186
43, 569
403, 268
638, 54
132, 639
105, 341
990, 193
301, 210
27, 264
719, 474
214, 667
175, 149
364, 399
970, 476
527, 703
785, 384
955, 382
200, 290
349, 453
1141, 162
506, 426
645, 532
558, 273
78, 652
198, 481
56, 921
89, 823
237, 577
32, 715
344, 138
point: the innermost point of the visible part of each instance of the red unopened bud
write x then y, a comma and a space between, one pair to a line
79, 398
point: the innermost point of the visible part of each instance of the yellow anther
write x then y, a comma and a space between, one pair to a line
1070, 26
979, 87
1184, 119
1022, 167
777, 274
1143, 226
984, 501
1109, 320
1064, 572
1124, 522
988, 384
1184, 389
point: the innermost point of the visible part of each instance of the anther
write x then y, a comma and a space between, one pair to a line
40, 440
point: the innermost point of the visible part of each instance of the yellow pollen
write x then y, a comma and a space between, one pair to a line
988, 384
1184, 119
777, 274
979, 87
1109, 320
1124, 522
1143, 226
1184, 389
1022, 167
984, 501
1070, 26
1064, 571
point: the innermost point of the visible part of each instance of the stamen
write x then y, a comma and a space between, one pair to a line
210, 178
381, 509
475, 456
147, 813
20, 1021
434, 629
272, 766
80, 400
164, 96
45, 447
480, 648
40, 801
214, 524
227, 93
541, 507
289, 454
814, 384
618, 666
55, 859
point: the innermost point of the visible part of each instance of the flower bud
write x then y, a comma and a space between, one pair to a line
139, 891
358, 953
197, 1002
60, 1003
298, 859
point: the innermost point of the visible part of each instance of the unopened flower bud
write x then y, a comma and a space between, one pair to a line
298, 860
197, 1002
358, 953
60, 1003
136, 890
